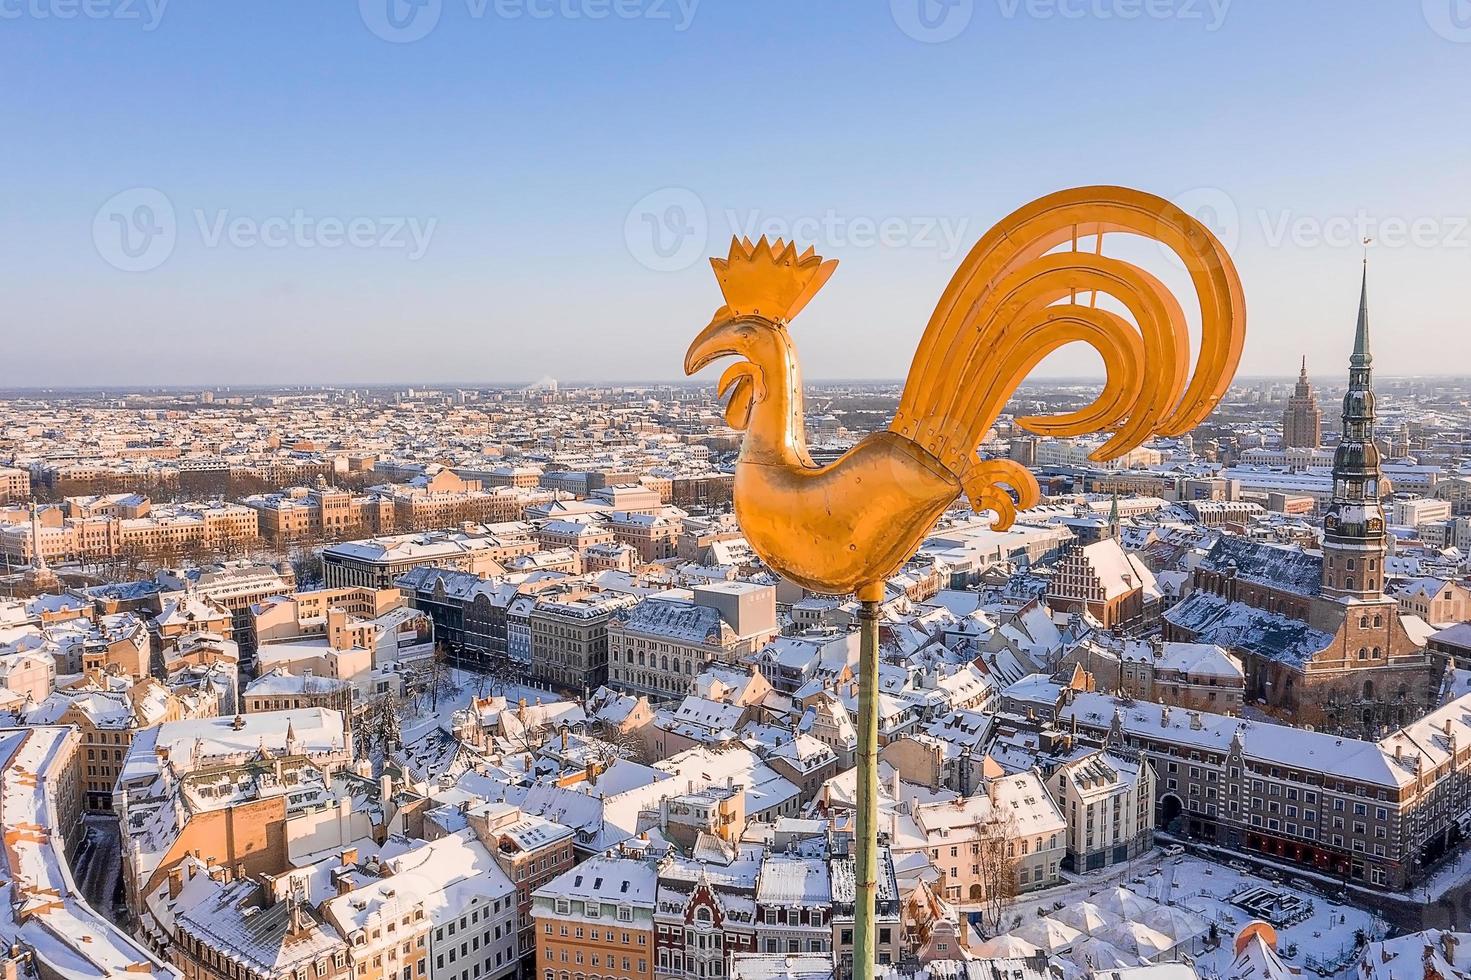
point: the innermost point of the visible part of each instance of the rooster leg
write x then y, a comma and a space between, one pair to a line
985, 482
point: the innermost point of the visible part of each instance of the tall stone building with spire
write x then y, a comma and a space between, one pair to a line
1320, 640
1355, 540
1302, 422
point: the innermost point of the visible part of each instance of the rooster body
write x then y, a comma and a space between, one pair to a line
860, 510
848, 525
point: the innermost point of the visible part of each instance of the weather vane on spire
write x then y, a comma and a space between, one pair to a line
847, 526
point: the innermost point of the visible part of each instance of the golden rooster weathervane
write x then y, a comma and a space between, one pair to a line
849, 525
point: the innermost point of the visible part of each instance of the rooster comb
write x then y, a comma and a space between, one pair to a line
770, 279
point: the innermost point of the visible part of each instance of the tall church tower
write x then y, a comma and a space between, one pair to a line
1354, 535
1302, 423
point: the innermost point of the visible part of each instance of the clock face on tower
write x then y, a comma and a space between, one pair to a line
1375, 525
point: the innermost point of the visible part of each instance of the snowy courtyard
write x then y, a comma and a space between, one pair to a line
1161, 908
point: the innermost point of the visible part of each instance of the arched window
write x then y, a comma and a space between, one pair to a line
1363, 653
1348, 583
1378, 621
1377, 653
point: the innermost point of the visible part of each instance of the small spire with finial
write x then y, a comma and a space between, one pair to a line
1361, 353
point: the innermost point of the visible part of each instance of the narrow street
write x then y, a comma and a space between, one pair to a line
99, 864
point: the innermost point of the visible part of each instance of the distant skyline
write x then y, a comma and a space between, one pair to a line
369, 193
1321, 384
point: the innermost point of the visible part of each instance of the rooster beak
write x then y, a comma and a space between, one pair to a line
715, 341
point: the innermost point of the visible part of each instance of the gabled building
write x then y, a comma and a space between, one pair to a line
1107, 583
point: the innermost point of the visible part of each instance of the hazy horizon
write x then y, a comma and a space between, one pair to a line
701, 381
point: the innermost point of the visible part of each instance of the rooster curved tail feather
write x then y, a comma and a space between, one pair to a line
1002, 313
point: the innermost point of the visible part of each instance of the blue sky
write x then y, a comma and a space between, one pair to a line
343, 203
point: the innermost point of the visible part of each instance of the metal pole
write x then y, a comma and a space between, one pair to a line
865, 868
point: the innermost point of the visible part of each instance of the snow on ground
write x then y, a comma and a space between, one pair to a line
1324, 938
1454, 873
418, 718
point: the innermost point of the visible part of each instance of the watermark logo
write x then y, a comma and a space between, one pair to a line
138, 229
932, 21
667, 230
1213, 208
147, 13
936, 21
945, 236
1210, 14
135, 230
671, 229
404, 21
400, 21
1289, 228
1451, 19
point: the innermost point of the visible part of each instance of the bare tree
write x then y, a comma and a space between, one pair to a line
380, 721
997, 842
620, 742
438, 677
532, 736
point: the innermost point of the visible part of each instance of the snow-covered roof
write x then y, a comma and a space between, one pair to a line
619, 880
45, 912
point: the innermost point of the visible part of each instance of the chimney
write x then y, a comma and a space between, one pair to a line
1448, 944
349, 856
176, 881
385, 788
336, 627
